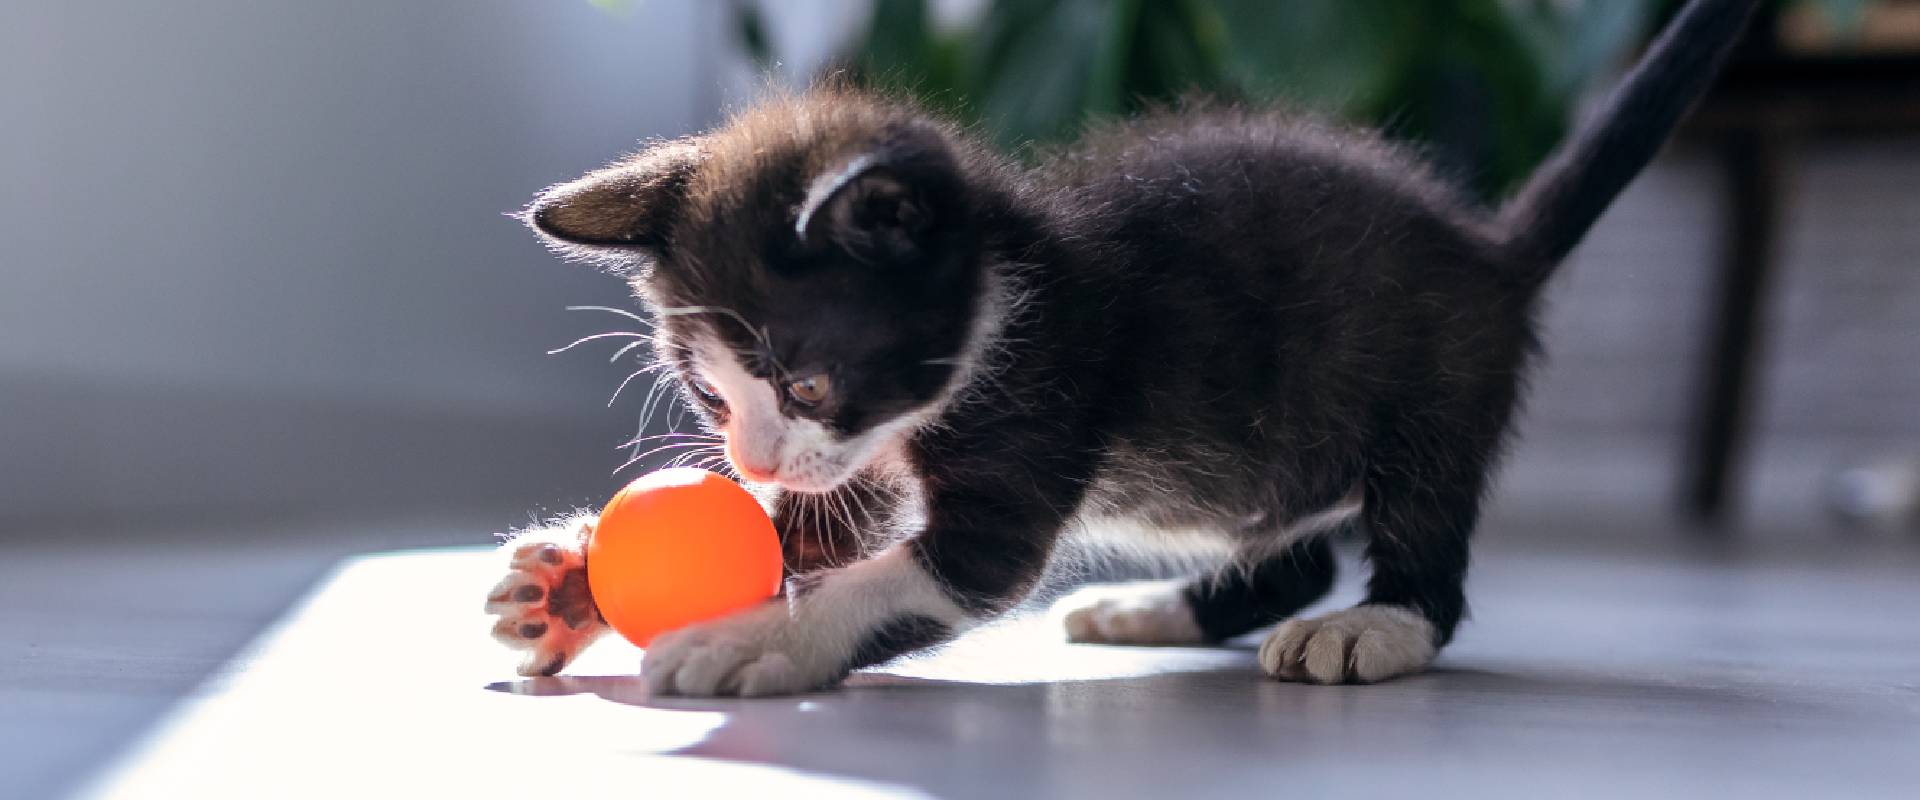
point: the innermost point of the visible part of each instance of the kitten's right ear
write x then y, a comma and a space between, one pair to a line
630, 204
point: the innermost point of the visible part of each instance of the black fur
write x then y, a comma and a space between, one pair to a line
1209, 318
1564, 197
1237, 600
896, 638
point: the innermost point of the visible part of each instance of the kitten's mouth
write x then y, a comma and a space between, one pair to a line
812, 479
806, 486
800, 483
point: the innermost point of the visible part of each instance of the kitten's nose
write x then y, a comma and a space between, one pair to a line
751, 470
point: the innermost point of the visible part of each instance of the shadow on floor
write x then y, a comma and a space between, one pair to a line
1143, 730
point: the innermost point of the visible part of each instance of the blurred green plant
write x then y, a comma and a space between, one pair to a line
1487, 87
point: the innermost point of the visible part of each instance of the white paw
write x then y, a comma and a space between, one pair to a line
751, 654
1362, 644
1151, 612
845, 618
542, 603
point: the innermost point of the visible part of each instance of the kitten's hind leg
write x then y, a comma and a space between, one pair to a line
1419, 512
1142, 613
1237, 599
1210, 608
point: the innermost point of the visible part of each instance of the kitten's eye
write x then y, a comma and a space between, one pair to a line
704, 388
810, 390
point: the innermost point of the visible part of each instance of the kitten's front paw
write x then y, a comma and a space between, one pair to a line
1145, 613
543, 604
751, 654
1362, 644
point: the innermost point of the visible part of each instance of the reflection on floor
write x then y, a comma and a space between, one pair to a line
1585, 671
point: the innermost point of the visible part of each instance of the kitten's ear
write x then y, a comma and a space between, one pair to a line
886, 204
630, 204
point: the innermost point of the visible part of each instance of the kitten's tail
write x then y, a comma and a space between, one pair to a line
1550, 214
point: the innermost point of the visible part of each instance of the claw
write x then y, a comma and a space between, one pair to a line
505, 631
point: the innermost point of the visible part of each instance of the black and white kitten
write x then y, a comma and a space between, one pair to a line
1213, 325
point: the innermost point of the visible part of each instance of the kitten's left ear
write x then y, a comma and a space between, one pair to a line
629, 206
886, 204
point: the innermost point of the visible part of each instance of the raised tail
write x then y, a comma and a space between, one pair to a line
1552, 212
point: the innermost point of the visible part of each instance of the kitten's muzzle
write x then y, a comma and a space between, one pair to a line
754, 471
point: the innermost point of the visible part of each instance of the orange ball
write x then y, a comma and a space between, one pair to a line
680, 546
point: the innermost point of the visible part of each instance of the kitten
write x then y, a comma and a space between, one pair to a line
1218, 324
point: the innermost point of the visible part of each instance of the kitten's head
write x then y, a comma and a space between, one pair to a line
816, 268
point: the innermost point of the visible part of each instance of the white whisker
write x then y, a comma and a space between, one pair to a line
609, 309
867, 520
676, 413
627, 348
703, 437
650, 453
663, 391
819, 522
623, 386
689, 455
846, 514
597, 336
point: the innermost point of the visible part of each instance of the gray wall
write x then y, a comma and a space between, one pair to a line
252, 254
